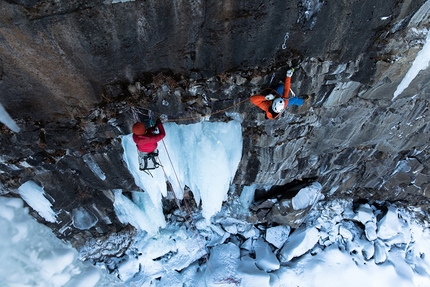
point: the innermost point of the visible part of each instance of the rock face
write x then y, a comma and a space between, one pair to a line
71, 70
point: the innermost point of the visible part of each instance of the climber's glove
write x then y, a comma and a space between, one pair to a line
270, 97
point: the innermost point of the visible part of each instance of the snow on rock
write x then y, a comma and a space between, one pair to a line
380, 252
389, 226
172, 249
364, 213
345, 233
234, 226
277, 235
329, 249
368, 250
34, 195
370, 230
307, 196
214, 234
153, 247
188, 249
251, 275
265, 258
336, 268
128, 268
248, 244
299, 242
253, 232
223, 266
421, 62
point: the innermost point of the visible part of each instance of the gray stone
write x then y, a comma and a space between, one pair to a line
70, 73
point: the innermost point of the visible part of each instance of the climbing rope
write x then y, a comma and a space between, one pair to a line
151, 114
187, 206
196, 118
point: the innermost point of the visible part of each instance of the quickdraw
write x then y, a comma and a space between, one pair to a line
286, 37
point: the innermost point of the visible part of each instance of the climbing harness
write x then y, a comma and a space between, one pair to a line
149, 162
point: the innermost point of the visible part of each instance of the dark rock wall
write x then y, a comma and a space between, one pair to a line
57, 56
71, 70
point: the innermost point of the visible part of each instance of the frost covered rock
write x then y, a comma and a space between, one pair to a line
215, 234
380, 255
389, 226
299, 242
370, 230
230, 228
34, 195
368, 250
253, 232
364, 213
345, 233
278, 235
265, 259
307, 196
250, 275
234, 226
188, 250
248, 244
128, 268
223, 262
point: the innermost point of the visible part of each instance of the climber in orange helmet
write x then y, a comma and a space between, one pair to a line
146, 141
274, 105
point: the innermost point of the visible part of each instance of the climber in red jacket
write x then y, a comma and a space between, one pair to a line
274, 105
146, 141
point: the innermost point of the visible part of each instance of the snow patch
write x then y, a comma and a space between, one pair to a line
33, 256
421, 62
7, 120
33, 195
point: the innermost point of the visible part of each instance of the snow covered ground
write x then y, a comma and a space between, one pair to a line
370, 245
338, 244
31, 255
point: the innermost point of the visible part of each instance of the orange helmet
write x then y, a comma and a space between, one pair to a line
138, 129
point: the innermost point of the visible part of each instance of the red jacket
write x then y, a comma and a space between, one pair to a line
148, 141
264, 104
